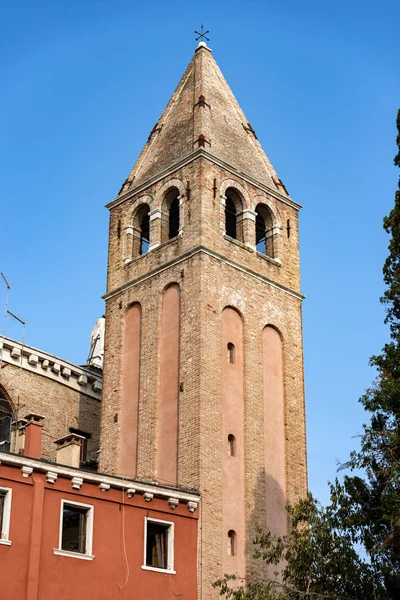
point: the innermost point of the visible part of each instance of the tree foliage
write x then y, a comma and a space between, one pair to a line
371, 504
319, 560
319, 556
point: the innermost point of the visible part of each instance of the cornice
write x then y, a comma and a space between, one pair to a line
201, 152
81, 379
105, 482
190, 254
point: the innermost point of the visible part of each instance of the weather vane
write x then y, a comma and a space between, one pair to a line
202, 35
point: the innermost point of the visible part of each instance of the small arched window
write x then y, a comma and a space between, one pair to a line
233, 208
230, 218
264, 231
144, 233
170, 223
173, 222
231, 542
231, 445
141, 230
230, 353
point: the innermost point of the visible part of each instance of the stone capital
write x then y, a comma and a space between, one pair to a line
250, 214
155, 214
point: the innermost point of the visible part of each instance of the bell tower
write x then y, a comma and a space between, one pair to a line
203, 360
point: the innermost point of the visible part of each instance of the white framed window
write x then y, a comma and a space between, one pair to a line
76, 530
158, 545
5, 512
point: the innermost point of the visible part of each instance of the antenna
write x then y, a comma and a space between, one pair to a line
5, 319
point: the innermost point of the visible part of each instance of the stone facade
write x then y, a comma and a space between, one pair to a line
67, 395
203, 147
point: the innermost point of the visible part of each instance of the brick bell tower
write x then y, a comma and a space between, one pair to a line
203, 365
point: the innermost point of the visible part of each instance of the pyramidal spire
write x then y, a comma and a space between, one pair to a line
203, 113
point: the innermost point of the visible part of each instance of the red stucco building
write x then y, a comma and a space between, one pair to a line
67, 533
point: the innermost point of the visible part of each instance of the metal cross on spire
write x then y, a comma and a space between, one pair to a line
203, 35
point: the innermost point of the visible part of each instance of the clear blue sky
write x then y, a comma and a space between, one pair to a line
83, 84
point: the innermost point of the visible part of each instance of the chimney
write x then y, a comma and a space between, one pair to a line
68, 451
33, 436
17, 436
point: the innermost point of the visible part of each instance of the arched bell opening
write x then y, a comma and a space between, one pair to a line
141, 230
170, 215
265, 236
233, 212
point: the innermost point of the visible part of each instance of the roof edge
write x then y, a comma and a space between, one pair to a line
200, 152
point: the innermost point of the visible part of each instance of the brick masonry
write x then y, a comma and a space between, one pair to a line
213, 272
48, 385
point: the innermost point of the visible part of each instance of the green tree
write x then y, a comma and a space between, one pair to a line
370, 503
320, 554
319, 557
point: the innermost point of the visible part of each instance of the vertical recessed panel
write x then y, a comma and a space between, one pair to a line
169, 387
233, 520
130, 391
274, 432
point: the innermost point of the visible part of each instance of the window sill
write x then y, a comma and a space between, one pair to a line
127, 262
5, 542
274, 261
168, 571
73, 554
237, 242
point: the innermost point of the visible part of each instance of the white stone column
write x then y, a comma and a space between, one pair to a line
181, 213
128, 244
276, 234
155, 228
248, 218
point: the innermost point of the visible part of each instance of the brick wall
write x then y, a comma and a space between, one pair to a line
58, 397
224, 273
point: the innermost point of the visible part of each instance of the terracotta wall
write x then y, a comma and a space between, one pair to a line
30, 570
233, 558
130, 391
167, 470
274, 432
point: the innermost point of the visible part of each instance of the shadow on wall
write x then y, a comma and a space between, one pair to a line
88, 426
270, 513
6, 416
65, 411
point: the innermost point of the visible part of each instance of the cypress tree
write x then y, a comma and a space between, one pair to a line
371, 502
